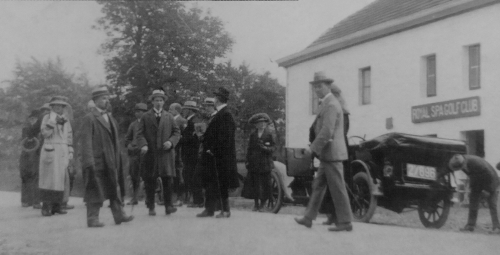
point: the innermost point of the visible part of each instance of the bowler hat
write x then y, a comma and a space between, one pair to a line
259, 117
456, 162
190, 105
320, 77
209, 101
58, 100
141, 107
158, 93
222, 93
99, 91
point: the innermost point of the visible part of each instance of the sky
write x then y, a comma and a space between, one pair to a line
263, 31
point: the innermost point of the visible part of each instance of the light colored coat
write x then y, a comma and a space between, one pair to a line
54, 156
329, 143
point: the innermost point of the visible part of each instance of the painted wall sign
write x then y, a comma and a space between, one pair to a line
458, 108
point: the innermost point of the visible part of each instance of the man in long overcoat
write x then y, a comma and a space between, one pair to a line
134, 152
101, 161
219, 157
329, 146
157, 137
190, 146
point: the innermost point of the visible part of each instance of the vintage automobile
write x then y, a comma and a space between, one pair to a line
395, 171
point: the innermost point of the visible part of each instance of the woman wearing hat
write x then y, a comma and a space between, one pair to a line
259, 161
55, 155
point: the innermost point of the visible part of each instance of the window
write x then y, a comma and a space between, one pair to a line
474, 67
315, 101
366, 85
431, 75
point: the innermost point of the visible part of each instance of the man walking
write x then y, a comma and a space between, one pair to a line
190, 147
134, 152
179, 181
219, 157
157, 137
483, 179
329, 146
101, 161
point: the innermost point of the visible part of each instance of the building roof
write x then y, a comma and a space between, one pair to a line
382, 18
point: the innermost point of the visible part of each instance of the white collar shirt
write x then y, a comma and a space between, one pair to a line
104, 114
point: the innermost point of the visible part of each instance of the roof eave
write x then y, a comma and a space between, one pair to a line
380, 31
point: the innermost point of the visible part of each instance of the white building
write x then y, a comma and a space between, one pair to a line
420, 67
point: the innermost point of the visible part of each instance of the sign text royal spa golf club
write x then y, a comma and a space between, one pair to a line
458, 108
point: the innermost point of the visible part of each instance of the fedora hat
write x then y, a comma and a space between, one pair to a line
141, 107
158, 93
99, 91
222, 92
456, 162
320, 77
209, 101
58, 100
190, 105
259, 117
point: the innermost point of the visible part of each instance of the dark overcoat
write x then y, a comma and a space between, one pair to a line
157, 161
260, 152
220, 141
101, 158
190, 143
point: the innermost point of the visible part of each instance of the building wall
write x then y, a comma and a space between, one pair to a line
396, 78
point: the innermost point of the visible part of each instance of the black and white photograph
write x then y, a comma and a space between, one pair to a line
149, 127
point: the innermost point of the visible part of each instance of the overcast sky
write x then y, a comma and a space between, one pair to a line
263, 31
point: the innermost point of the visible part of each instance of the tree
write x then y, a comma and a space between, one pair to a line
156, 43
35, 83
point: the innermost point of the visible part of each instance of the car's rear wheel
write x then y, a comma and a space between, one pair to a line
433, 213
363, 203
275, 201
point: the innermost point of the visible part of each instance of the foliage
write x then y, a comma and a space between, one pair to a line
155, 44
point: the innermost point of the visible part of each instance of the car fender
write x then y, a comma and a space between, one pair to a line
361, 166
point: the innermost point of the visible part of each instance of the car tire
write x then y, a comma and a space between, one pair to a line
363, 203
434, 213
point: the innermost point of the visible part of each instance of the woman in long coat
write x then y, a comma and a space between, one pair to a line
259, 161
55, 155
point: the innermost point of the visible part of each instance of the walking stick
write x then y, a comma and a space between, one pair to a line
218, 182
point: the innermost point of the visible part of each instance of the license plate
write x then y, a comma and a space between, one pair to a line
421, 172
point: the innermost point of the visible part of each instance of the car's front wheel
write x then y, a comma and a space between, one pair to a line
363, 203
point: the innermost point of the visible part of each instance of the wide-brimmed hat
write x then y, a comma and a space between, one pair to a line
259, 117
141, 107
45, 106
158, 93
99, 91
321, 77
58, 100
456, 162
209, 101
222, 92
190, 105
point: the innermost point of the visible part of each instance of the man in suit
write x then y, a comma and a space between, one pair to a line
178, 189
219, 157
483, 180
101, 161
329, 146
157, 137
134, 152
190, 146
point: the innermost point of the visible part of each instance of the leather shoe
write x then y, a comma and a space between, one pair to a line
124, 219
59, 211
467, 228
330, 220
341, 227
95, 224
46, 212
304, 221
170, 210
205, 213
223, 215
495, 231
152, 212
